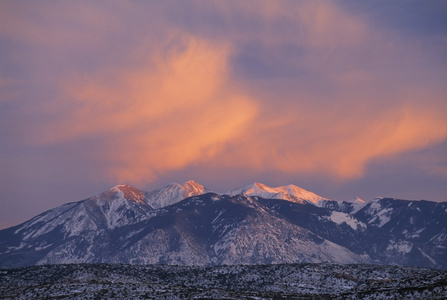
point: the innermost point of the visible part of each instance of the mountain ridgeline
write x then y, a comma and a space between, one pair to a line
190, 225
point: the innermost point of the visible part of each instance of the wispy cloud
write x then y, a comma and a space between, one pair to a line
288, 87
172, 112
338, 143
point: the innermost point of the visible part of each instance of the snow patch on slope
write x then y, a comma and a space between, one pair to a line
382, 217
341, 217
379, 215
401, 246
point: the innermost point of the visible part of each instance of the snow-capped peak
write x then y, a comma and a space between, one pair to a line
290, 192
122, 204
192, 188
356, 199
357, 204
123, 191
254, 189
173, 193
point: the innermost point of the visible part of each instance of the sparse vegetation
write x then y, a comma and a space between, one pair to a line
288, 281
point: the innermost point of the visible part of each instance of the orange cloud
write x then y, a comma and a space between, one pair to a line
341, 145
183, 106
173, 112
373, 109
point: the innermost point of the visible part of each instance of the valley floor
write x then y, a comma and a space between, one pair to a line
288, 281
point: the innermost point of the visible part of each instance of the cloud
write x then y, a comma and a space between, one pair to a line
174, 111
338, 144
56, 25
351, 94
302, 88
8, 89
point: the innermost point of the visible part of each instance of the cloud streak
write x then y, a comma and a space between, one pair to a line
175, 111
338, 144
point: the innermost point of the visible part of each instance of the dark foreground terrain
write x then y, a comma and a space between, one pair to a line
291, 281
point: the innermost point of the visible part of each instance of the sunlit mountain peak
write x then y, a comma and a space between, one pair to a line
290, 193
125, 191
358, 199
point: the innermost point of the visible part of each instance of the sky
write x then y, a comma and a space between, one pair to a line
342, 98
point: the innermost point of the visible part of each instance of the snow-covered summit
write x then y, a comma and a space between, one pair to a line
173, 193
357, 204
192, 188
290, 193
123, 191
122, 204
356, 199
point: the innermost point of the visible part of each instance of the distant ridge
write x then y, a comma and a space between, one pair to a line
187, 224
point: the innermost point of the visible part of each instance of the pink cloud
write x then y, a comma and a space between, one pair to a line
174, 100
174, 112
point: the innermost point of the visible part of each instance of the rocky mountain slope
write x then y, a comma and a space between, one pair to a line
188, 225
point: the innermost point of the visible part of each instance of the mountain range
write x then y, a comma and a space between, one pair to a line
190, 225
